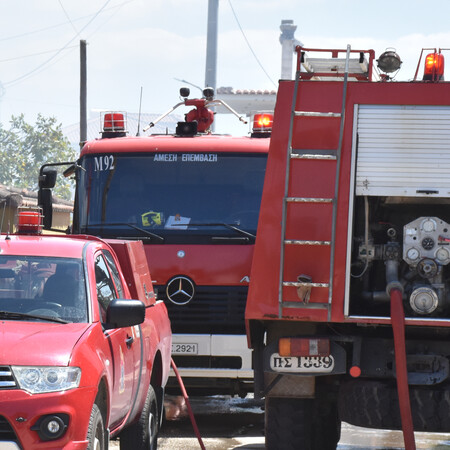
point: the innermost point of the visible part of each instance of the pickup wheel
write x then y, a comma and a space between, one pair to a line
96, 430
143, 434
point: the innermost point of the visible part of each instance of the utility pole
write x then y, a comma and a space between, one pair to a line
211, 47
83, 94
211, 44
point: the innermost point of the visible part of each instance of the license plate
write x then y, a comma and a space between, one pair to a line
183, 349
301, 364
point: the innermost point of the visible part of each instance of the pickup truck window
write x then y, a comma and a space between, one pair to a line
114, 273
105, 286
43, 286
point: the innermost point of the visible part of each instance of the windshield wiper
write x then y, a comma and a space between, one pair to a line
223, 224
19, 316
131, 225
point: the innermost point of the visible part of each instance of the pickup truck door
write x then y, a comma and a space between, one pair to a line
124, 344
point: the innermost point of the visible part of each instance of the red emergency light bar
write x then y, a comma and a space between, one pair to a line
262, 122
114, 122
434, 67
29, 221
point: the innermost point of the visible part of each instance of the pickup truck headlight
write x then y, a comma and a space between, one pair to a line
40, 379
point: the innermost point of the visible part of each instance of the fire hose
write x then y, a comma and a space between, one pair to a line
395, 290
188, 404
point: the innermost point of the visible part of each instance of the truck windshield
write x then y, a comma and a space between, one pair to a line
42, 288
171, 197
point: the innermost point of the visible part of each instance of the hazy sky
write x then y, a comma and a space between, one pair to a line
150, 43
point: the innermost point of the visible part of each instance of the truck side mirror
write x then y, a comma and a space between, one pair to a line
47, 178
45, 201
124, 313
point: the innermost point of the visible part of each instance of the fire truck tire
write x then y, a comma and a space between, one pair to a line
300, 423
374, 404
326, 424
143, 434
96, 430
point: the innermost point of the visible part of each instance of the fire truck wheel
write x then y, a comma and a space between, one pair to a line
301, 423
96, 430
326, 424
374, 404
143, 434
287, 424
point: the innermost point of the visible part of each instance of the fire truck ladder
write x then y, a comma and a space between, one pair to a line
326, 157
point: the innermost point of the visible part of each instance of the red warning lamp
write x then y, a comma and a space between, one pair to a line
114, 122
263, 122
29, 221
434, 67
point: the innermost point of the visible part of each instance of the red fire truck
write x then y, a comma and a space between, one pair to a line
193, 198
348, 312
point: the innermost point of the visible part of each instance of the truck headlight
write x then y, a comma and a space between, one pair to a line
41, 379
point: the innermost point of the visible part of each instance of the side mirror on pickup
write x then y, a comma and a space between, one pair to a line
124, 313
47, 181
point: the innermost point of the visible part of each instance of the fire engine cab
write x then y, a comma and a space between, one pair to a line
85, 346
348, 312
193, 199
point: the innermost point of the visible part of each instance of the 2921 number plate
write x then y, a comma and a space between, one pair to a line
301, 364
183, 349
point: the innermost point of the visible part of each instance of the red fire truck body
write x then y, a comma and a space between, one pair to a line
193, 199
349, 292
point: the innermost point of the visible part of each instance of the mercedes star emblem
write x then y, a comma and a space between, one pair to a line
180, 290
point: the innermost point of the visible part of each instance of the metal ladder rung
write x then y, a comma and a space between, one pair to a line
300, 284
316, 114
314, 156
313, 151
308, 200
298, 242
302, 305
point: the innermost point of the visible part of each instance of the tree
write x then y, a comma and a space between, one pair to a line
24, 148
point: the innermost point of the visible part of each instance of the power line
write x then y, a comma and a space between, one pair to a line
248, 43
35, 54
118, 7
40, 66
40, 30
68, 18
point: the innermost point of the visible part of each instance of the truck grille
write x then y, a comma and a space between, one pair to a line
7, 380
214, 309
6, 432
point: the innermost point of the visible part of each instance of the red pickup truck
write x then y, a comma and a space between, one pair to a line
84, 345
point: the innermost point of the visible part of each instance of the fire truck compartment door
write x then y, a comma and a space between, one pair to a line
401, 150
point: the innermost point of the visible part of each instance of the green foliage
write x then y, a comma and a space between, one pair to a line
24, 148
